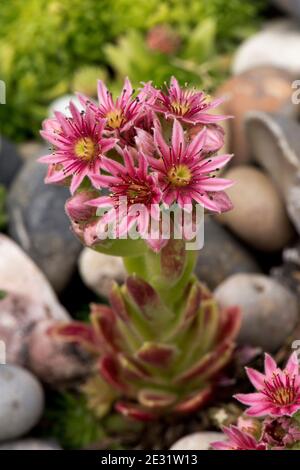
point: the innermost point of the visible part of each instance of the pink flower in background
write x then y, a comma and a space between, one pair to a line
131, 184
185, 175
78, 146
278, 391
185, 104
120, 114
238, 440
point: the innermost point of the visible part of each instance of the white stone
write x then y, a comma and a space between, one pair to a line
98, 271
20, 275
270, 311
21, 402
277, 45
198, 441
30, 444
62, 104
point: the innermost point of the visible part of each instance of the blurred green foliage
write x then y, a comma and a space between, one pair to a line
43, 43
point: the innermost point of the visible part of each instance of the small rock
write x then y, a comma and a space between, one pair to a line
31, 150
277, 45
289, 6
288, 274
24, 325
21, 402
37, 221
98, 271
221, 249
19, 275
30, 444
54, 361
10, 162
264, 89
18, 316
198, 441
258, 216
270, 311
275, 145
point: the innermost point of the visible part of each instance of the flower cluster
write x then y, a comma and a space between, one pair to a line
277, 401
152, 149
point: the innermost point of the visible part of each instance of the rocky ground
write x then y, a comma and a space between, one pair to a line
251, 258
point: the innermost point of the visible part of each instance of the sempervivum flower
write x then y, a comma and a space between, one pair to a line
278, 391
187, 105
238, 440
280, 433
78, 146
185, 175
134, 194
120, 114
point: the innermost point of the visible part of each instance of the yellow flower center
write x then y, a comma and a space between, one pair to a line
284, 396
180, 175
180, 108
115, 118
86, 149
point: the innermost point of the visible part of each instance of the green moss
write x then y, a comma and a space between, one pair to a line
44, 42
71, 423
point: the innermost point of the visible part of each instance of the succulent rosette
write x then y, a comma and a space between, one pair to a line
158, 359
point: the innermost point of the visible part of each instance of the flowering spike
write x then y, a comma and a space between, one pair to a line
163, 339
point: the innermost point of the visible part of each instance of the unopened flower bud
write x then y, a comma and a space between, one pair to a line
214, 137
76, 206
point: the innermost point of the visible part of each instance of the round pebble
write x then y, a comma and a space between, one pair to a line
259, 216
30, 444
99, 271
21, 402
270, 311
198, 441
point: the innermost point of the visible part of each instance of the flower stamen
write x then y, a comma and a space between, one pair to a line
180, 175
86, 149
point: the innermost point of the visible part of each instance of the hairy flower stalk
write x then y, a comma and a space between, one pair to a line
129, 162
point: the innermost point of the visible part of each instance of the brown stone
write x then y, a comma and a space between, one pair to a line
258, 216
263, 89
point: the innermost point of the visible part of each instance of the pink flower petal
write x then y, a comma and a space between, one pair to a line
256, 378
270, 365
178, 143
250, 398
292, 366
